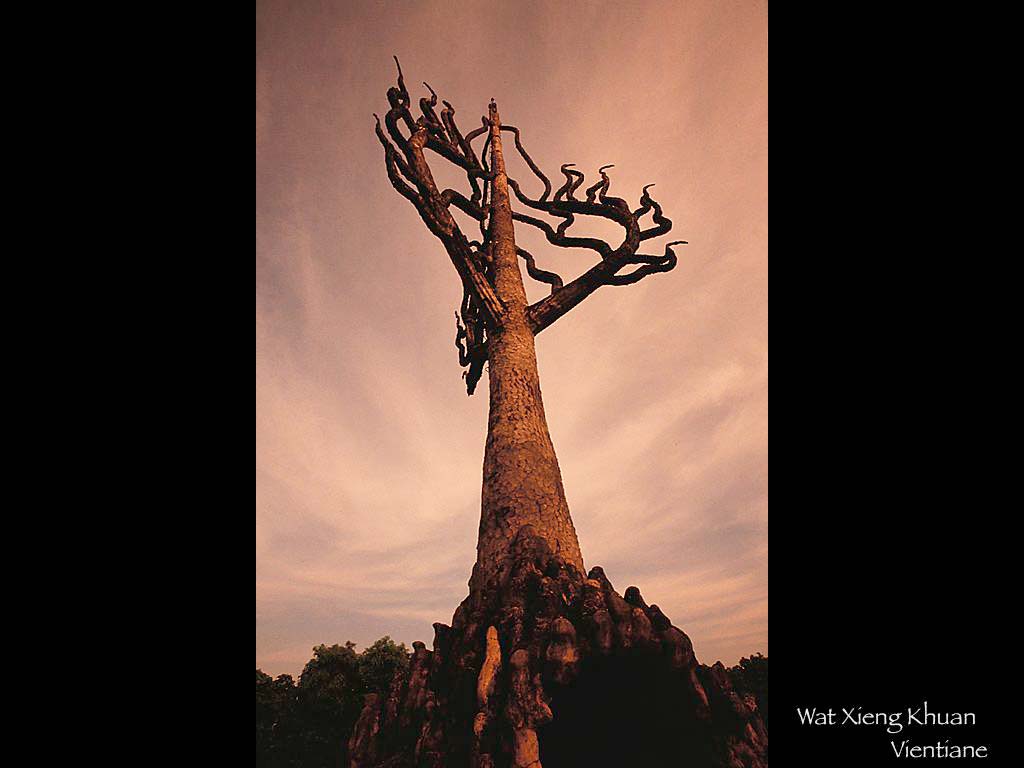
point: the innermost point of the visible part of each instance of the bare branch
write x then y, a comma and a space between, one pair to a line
401, 81
572, 180
557, 237
410, 175
471, 344
529, 161
539, 275
469, 207
664, 224
607, 272
652, 265
397, 168
546, 311
482, 310
598, 203
478, 131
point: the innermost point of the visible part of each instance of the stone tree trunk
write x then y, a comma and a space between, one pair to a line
544, 662
522, 482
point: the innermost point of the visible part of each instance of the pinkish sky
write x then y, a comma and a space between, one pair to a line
369, 452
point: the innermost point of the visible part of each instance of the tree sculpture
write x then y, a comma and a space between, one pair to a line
540, 648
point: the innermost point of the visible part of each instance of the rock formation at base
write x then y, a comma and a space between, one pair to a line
553, 666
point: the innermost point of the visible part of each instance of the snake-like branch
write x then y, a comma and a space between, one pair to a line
646, 204
572, 180
398, 170
434, 124
540, 275
471, 342
601, 186
405, 139
557, 237
609, 271
529, 161
651, 265
598, 203
469, 207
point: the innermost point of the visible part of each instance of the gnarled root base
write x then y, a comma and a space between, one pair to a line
554, 666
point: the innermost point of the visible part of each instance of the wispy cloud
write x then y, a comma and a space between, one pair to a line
368, 454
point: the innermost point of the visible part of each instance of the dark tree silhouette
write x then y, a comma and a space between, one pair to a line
750, 679
306, 725
537, 628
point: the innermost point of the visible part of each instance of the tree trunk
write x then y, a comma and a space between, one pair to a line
522, 484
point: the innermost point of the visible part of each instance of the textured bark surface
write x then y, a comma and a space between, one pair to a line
552, 667
522, 483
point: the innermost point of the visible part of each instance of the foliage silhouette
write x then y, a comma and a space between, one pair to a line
750, 677
308, 724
